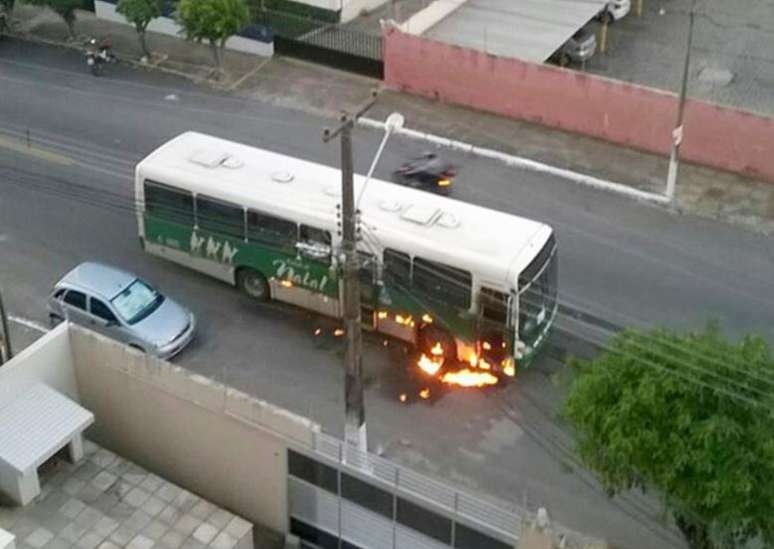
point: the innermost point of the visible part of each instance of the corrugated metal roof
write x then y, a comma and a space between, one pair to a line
530, 30
37, 424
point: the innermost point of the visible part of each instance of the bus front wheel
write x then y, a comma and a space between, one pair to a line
253, 284
429, 336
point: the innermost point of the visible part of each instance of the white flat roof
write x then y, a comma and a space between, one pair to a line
495, 245
530, 30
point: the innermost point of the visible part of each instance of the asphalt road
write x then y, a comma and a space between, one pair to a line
67, 198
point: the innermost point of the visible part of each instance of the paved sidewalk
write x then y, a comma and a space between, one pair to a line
320, 90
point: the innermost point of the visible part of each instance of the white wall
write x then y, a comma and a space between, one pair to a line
48, 360
165, 25
352, 8
217, 442
433, 14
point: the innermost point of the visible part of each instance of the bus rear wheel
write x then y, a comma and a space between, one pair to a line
253, 284
429, 336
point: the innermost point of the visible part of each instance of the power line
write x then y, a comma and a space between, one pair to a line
123, 204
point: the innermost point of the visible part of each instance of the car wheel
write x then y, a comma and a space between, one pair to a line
253, 284
54, 320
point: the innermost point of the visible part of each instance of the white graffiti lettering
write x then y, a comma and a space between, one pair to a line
196, 243
229, 253
219, 251
213, 247
286, 272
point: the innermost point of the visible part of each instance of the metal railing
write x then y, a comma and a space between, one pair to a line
495, 518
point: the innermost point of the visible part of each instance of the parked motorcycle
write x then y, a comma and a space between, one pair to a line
98, 54
428, 172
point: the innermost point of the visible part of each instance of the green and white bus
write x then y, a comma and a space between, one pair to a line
479, 282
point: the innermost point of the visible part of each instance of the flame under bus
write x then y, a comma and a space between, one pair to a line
473, 288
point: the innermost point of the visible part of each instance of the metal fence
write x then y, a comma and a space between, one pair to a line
369, 502
325, 43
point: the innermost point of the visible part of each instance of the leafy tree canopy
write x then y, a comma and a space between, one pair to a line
691, 416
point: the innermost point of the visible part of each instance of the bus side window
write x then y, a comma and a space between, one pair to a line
494, 305
169, 203
220, 217
397, 269
313, 235
270, 230
443, 282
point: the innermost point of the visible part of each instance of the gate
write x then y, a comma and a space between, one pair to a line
325, 43
366, 502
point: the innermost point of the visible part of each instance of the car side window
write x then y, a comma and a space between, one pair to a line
59, 293
75, 299
102, 311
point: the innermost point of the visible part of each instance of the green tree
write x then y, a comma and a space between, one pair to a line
6, 10
140, 13
65, 9
690, 416
212, 20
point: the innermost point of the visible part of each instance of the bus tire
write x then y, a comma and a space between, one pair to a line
253, 284
429, 335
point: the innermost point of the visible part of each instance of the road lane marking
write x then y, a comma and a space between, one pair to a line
34, 150
32, 324
521, 162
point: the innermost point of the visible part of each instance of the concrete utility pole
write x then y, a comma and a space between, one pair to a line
355, 425
677, 134
5, 336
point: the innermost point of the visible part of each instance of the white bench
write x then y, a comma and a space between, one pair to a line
34, 427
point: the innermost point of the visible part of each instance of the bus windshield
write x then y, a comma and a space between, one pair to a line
537, 294
137, 301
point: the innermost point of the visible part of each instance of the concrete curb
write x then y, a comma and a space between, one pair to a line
524, 163
129, 60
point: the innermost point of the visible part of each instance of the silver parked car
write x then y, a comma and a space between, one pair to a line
579, 48
122, 306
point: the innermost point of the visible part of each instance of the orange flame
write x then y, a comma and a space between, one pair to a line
429, 365
427, 318
317, 332
286, 283
469, 378
424, 393
437, 350
338, 332
382, 315
403, 397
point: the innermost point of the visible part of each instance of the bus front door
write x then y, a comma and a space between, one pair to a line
368, 290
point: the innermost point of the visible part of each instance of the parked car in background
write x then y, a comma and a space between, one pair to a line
615, 10
579, 48
122, 306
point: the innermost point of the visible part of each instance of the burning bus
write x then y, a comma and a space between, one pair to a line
473, 289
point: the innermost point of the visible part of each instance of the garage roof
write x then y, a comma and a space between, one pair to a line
525, 29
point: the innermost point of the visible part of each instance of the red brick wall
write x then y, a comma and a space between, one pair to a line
635, 116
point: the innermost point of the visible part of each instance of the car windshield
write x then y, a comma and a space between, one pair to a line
137, 301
